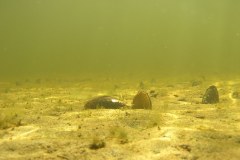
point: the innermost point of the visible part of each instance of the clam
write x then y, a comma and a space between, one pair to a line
141, 101
106, 102
211, 95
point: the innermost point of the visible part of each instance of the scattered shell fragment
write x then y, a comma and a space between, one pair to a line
211, 95
142, 101
106, 102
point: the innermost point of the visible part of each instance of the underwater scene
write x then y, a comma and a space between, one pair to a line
119, 80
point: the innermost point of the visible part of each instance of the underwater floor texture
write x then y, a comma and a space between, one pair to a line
46, 119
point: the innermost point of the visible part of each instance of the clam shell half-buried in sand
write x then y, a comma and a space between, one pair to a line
106, 102
141, 101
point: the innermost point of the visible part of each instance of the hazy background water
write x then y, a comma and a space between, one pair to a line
77, 36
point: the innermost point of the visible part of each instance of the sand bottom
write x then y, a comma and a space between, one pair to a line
46, 120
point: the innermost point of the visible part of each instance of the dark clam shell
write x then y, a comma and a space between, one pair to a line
141, 101
106, 102
211, 95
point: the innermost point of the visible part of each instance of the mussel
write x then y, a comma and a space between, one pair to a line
211, 95
141, 101
106, 102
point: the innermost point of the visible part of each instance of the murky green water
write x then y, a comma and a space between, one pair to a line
56, 55
136, 36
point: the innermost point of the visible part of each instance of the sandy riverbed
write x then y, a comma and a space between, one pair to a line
45, 119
